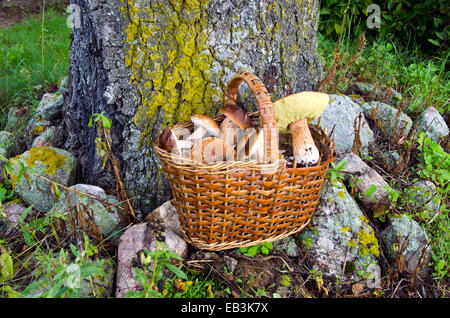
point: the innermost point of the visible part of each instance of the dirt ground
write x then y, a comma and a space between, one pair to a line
13, 11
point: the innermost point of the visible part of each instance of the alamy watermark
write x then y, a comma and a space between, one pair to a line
374, 19
74, 18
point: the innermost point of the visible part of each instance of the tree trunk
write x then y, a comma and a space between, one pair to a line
152, 63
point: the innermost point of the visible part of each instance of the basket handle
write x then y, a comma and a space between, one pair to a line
265, 108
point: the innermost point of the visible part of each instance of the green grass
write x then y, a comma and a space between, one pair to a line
21, 67
422, 80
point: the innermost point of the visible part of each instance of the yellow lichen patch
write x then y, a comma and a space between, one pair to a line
345, 229
37, 130
47, 157
169, 62
368, 243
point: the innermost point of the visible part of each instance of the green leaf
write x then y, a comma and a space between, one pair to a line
25, 213
337, 28
32, 287
340, 165
6, 267
74, 250
106, 122
9, 291
177, 271
89, 269
441, 35
90, 124
434, 42
371, 190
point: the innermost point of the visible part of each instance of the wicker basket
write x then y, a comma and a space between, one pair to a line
237, 204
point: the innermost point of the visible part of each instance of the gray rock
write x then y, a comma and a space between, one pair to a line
6, 143
56, 164
432, 123
287, 246
378, 92
47, 138
396, 234
104, 211
168, 214
388, 117
16, 119
422, 196
63, 85
140, 237
230, 262
364, 178
341, 242
50, 106
342, 113
9, 223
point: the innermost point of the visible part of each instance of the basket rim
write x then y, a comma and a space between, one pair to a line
190, 165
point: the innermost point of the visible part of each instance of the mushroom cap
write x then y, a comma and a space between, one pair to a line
167, 139
212, 150
238, 115
292, 108
206, 122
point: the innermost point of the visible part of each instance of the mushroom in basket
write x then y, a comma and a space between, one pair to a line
203, 125
293, 113
237, 120
212, 150
251, 146
169, 142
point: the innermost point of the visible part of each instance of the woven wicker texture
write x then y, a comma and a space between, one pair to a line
242, 203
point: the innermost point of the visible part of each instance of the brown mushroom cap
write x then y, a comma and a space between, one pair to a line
167, 139
238, 115
206, 122
212, 150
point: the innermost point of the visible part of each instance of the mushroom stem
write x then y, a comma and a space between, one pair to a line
197, 134
305, 151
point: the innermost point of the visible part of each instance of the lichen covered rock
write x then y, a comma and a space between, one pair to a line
6, 143
431, 122
341, 242
50, 106
140, 237
392, 123
403, 228
104, 211
167, 213
422, 196
372, 188
53, 163
342, 115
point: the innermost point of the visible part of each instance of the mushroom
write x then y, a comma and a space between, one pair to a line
236, 119
169, 141
251, 146
203, 124
212, 150
294, 112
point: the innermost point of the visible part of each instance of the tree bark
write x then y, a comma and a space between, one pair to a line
152, 63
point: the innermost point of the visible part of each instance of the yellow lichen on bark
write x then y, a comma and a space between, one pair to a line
169, 61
